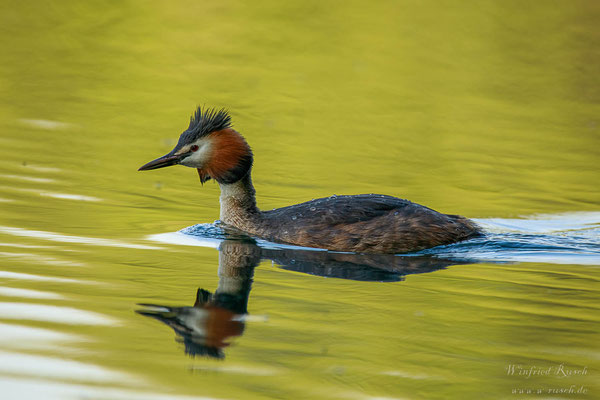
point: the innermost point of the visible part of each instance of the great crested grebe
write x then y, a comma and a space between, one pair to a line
365, 223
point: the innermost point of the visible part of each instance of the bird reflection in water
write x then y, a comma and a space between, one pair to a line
207, 327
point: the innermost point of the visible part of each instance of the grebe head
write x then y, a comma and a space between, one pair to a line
211, 146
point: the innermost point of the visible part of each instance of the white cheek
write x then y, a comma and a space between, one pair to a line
200, 157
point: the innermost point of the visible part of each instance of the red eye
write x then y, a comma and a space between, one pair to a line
194, 148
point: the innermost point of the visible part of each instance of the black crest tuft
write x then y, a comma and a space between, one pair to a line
205, 121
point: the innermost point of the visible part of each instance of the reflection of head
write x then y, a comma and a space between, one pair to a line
221, 323
205, 328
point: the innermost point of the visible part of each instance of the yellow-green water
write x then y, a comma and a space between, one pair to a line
483, 108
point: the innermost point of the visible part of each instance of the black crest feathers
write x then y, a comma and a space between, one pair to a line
205, 121
202, 123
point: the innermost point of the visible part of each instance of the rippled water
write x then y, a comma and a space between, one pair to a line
119, 285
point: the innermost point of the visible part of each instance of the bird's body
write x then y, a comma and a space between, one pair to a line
366, 223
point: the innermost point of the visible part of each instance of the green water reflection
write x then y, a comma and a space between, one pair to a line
485, 109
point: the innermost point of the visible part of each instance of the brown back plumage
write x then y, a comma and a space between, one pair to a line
364, 223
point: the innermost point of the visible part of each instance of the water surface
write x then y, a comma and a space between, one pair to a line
485, 109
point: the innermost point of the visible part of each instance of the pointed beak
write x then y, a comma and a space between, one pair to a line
164, 161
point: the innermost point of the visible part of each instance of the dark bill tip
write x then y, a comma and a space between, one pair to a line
161, 162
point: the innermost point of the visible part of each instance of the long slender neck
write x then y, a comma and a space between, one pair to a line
238, 204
